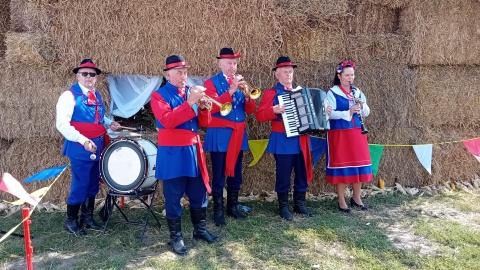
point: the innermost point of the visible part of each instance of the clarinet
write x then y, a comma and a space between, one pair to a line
362, 124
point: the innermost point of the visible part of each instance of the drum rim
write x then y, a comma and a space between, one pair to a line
104, 168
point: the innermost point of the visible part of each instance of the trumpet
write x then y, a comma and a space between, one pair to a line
208, 102
249, 91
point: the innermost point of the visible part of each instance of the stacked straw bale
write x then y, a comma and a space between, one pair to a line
448, 97
401, 47
31, 15
29, 48
444, 33
25, 157
143, 33
31, 92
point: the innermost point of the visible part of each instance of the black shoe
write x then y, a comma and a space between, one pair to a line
218, 212
176, 237
200, 231
86, 215
283, 206
300, 203
71, 223
353, 204
344, 210
233, 208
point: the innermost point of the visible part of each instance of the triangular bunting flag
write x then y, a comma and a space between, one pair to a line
473, 147
37, 193
11, 185
318, 148
257, 147
424, 155
45, 174
376, 152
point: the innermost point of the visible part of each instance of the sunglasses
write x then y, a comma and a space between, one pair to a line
85, 74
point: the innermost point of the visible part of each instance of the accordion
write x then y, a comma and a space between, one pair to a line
305, 112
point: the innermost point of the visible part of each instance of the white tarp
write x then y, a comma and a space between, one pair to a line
130, 92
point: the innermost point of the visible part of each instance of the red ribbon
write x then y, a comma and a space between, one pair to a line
235, 143
183, 137
304, 147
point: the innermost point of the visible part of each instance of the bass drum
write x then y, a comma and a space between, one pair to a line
128, 165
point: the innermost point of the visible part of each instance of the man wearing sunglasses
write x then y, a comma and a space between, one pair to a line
81, 120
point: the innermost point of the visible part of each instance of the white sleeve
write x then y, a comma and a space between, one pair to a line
366, 109
65, 107
335, 115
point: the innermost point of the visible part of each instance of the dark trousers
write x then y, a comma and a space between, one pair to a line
85, 180
173, 190
284, 164
218, 171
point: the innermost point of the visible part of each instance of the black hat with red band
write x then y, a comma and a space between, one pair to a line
175, 61
284, 61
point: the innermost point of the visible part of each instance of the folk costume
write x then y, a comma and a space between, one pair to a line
181, 163
226, 139
289, 153
348, 156
81, 117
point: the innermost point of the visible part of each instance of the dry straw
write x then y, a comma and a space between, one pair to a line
448, 97
26, 157
444, 33
134, 37
31, 15
386, 38
28, 48
28, 110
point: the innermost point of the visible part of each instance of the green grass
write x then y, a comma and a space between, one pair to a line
329, 240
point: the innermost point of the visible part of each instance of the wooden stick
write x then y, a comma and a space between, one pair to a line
129, 128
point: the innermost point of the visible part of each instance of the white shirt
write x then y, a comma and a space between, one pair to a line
345, 115
65, 107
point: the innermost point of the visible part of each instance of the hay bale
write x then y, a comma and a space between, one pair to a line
27, 109
297, 16
31, 15
26, 157
396, 4
445, 33
368, 17
135, 37
28, 48
447, 97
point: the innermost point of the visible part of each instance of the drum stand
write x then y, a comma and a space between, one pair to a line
111, 201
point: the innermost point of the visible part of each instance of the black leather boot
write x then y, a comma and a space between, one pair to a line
86, 215
200, 231
71, 223
218, 212
300, 203
233, 209
283, 205
176, 237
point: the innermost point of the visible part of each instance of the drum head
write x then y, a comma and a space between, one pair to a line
122, 166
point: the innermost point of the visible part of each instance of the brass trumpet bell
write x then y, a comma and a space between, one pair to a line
249, 91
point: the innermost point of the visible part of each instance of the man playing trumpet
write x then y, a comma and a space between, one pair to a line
226, 137
181, 162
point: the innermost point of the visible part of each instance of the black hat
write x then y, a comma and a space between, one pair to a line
284, 61
87, 63
175, 61
227, 53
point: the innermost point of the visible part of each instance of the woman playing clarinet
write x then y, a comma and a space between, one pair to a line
348, 157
